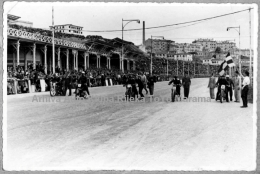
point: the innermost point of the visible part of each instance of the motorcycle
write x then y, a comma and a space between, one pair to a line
222, 93
56, 89
80, 93
174, 93
129, 91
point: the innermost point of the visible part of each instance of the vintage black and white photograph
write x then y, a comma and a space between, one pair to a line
129, 86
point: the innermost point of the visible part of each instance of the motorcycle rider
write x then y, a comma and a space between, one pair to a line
84, 82
130, 80
176, 81
222, 81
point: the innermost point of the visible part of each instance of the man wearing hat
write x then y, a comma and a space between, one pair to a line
230, 86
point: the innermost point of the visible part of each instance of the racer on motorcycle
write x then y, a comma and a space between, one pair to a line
222, 89
56, 85
84, 84
130, 84
176, 90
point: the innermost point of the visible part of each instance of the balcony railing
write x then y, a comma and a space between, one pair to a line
41, 38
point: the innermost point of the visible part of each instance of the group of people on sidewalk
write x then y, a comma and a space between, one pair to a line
240, 90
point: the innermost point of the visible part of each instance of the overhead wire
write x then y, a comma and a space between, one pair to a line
163, 26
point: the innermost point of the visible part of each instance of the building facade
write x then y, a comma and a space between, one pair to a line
157, 45
211, 44
68, 28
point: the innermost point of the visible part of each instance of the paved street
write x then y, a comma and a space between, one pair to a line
148, 135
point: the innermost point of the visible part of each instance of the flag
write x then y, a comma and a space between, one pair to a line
228, 62
223, 67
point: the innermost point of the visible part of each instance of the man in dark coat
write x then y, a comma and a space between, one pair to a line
83, 80
151, 81
222, 81
186, 82
68, 83
140, 86
230, 87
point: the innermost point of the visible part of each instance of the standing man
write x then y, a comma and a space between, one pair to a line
144, 81
151, 84
211, 86
186, 85
230, 86
237, 84
140, 86
245, 88
68, 81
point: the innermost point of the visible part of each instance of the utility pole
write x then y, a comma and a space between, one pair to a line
53, 46
250, 55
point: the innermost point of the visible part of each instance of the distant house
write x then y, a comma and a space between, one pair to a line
212, 61
245, 61
68, 28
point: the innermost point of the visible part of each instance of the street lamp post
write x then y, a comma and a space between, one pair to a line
239, 59
123, 26
151, 64
53, 46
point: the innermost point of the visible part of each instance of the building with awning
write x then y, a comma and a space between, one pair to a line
31, 46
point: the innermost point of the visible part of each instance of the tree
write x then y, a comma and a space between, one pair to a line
218, 50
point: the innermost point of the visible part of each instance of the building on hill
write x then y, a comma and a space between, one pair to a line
212, 61
243, 52
245, 61
13, 20
225, 45
211, 44
175, 56
159, 45
185, 47
68, 28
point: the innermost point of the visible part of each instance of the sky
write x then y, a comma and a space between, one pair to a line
108, 16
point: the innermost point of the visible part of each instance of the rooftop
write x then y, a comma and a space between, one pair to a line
69, 25
12, 17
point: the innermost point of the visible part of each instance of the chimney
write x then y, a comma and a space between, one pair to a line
143, 32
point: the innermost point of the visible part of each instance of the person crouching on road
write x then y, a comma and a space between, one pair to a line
186, 82
211, 86
230, 86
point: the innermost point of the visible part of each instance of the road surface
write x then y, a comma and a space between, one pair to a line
92, 134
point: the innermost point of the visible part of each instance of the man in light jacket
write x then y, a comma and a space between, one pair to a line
237, 85
245, 88
211, 86
144, 80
